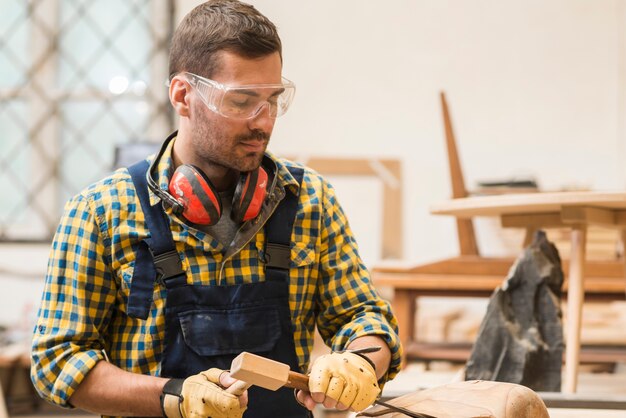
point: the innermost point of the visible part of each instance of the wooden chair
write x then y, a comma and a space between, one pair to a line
470, 275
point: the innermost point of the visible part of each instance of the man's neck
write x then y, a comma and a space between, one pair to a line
222, 178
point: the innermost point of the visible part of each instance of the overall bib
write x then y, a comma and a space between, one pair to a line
208, 326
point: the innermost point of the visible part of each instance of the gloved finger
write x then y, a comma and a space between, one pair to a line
213, 375
208, 399
348, 396
334, 391
352, 369
364, 398
225, 404
319, 378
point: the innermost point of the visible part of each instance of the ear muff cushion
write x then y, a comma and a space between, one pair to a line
201, 203
249, 195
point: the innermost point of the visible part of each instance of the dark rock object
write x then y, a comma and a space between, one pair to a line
521, 337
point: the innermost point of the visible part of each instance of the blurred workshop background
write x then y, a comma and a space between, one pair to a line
536, 92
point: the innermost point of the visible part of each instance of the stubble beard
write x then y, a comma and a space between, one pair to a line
213, 145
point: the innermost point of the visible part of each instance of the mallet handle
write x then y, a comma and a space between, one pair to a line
297, 380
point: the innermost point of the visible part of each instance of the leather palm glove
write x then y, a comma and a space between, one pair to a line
201, 396
347, 377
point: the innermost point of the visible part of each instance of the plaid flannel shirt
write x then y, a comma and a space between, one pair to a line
82, 318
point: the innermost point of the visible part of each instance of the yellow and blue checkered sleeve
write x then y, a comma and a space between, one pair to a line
78, 289
346, 290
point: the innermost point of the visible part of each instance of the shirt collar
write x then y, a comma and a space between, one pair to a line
283, 176
164, 169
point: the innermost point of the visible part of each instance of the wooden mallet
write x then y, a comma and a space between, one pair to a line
272, 375
266, 373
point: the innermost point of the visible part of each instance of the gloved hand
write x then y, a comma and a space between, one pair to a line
201, 396
345, 377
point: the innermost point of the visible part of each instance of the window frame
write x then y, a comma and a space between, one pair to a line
44, 99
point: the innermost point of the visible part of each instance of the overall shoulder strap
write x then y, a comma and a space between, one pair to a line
156, 257
278, 234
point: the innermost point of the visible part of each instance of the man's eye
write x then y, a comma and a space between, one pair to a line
239, 102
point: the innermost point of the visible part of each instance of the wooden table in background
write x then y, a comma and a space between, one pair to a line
574, 210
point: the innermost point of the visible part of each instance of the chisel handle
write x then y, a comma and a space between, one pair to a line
297, 380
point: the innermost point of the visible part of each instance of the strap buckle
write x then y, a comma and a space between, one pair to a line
167, 265
277, 256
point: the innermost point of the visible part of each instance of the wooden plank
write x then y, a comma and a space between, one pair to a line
392, 227
497, 267
465, 227
12, 359
532, 220
588, 216
595, 401
455, 285
445, 283
460, 352
620, 217
467, 237
575, 297
389, 171
527, 203
340, 166
454, 164
455, 265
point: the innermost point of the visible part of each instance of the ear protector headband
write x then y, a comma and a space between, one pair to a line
191, 194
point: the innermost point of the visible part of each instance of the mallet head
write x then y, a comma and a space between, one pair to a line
259, 371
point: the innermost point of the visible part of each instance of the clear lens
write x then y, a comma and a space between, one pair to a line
244, 102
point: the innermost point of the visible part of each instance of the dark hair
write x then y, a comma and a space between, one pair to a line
220, 25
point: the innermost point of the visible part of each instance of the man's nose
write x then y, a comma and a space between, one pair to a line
262, 119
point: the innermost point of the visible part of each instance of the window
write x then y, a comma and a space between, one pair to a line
76, 79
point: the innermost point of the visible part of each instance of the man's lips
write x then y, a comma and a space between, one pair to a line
254, 145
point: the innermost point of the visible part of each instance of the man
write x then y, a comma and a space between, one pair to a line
161, 274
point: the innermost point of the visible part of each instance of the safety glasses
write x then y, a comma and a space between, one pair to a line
243, 102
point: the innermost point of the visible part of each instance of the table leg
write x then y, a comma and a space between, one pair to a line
3, 406
575, 298
404, 309
624, 254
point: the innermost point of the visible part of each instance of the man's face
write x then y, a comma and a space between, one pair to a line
234, 143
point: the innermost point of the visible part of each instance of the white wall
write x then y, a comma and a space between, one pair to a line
534, 87
22, 271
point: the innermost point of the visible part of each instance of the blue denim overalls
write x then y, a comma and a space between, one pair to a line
208, 326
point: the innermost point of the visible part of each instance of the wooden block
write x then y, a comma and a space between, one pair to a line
588, 215
476, 398
259, 371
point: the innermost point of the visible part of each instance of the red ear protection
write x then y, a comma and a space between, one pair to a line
249, 195
192, 194
199, 202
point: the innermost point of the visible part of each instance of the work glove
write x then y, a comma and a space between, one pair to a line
201, 396
346, 377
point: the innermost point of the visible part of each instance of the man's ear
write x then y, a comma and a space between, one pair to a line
180, 91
